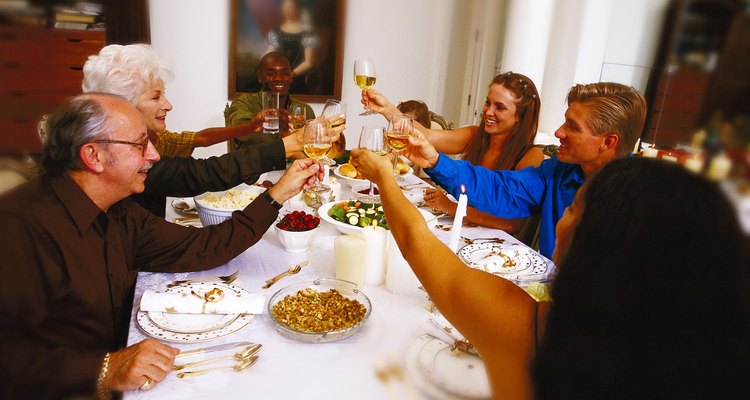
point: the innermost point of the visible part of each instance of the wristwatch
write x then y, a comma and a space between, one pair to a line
270, 199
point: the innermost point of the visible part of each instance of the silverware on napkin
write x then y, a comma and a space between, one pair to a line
226, 279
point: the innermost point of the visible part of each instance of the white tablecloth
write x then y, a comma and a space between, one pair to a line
288, 369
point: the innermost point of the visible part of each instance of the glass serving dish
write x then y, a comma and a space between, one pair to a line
346, 288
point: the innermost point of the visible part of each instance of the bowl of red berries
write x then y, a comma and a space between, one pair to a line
296, 231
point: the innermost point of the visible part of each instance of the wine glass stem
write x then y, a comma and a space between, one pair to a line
372, 190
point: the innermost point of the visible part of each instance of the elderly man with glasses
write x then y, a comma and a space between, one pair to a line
78, 243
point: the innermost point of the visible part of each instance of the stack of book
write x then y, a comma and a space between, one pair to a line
83, 16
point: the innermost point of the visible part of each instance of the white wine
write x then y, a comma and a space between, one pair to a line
340, 120
297, 121
397, 141
317, 150
364, 82
380, 152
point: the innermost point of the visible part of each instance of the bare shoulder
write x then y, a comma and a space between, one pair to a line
533, 157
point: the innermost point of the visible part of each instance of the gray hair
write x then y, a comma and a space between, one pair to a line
126, 71
79, 120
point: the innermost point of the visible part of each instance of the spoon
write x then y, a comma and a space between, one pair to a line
240, 355
245, 363
183, 207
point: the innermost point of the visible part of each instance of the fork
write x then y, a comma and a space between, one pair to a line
240, 355
226, 279
488, 240
291, 271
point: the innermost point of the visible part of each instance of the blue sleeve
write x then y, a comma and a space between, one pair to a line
507, 194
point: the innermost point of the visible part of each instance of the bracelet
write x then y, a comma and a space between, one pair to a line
103, 393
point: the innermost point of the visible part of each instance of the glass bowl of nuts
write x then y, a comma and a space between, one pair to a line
324, 310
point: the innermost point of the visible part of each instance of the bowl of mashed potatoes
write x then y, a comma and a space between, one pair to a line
217, 207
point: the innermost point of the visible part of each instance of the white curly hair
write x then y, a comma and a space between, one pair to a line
124, 70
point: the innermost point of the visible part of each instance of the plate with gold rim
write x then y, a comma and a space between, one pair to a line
195, 323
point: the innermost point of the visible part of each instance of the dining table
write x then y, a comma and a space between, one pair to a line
291, 369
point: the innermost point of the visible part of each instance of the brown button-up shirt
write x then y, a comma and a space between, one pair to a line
67, 276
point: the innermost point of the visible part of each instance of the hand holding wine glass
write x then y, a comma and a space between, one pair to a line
335, 113
317, 144
364, 77
397, 137
372, 138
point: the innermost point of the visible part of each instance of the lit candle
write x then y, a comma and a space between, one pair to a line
719, 167
669, 158
458, 220
694, 165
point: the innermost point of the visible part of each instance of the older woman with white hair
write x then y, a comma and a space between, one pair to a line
136, 73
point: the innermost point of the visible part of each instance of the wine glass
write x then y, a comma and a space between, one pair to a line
298, 118
397, 137
335, 113
364, 77
371, 138
316, 142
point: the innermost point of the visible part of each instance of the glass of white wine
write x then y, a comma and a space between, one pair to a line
364, 77
397, 138
317, 144
372, 138
298, 118
335, 113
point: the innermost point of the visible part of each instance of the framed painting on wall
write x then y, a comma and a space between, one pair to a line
308, 32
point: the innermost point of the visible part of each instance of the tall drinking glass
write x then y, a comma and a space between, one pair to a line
335, 113
316, 142
364, 77
372, 138
397, 138
270, 111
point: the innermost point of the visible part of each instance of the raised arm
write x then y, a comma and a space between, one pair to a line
494, 314
211, 136
452, 141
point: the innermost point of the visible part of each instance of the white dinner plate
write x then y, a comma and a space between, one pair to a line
354, 181
195, 323
194, 327
511, 261
350, 229
418, 376
462, 374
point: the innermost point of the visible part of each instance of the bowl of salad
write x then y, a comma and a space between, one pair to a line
350, 216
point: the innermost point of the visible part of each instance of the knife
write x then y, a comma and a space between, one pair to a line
213, 348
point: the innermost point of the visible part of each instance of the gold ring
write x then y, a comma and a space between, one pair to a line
147, 385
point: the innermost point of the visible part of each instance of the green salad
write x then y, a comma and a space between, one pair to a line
360, 214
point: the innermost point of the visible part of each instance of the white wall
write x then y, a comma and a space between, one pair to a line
405, 39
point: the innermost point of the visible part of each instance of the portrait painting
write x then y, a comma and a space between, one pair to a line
308, 32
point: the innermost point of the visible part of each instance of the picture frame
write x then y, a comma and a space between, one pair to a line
256, 28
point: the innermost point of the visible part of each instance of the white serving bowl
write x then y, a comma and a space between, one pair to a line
212, 215
295, 242
350, 229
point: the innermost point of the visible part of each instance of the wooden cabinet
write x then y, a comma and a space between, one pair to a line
700, 71
39, 68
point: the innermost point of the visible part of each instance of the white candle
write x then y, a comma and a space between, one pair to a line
374, 255
350, 265
399, 277
458, 220
669, 158
650, 152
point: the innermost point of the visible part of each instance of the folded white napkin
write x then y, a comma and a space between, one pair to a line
186, 303
439, 327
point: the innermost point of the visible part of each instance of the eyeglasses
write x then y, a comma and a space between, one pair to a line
143, 145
